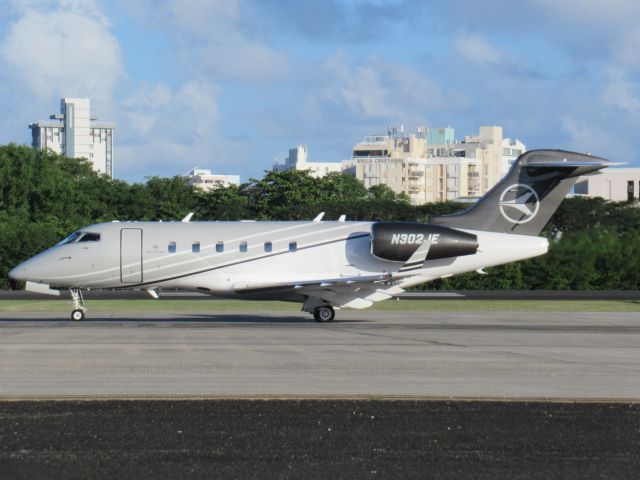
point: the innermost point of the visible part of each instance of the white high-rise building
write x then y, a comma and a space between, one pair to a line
205, 180
75, 134
297, 160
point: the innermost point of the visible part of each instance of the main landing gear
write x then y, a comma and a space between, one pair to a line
324, 313
78, 305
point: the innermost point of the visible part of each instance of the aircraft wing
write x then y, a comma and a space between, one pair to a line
306, 284
352, 292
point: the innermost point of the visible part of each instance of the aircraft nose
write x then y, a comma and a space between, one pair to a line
20, 273
34, 269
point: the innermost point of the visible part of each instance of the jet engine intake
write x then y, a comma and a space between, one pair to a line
396, 241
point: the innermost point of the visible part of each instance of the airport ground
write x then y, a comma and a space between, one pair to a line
441, 388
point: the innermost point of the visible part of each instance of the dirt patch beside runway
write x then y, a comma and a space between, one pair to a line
318, 439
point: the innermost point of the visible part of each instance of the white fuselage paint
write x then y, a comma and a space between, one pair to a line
322, 250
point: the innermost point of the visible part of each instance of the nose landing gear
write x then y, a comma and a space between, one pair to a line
79, 309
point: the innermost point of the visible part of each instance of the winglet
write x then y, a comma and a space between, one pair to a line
342, 218
318, 219
187, 219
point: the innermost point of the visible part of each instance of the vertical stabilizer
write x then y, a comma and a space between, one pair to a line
526, 198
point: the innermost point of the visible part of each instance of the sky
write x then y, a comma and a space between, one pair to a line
231, 85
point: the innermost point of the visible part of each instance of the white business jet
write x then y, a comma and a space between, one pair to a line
325, 265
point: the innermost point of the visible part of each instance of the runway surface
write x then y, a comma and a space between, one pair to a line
362, 354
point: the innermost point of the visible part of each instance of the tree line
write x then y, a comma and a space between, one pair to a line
44, 196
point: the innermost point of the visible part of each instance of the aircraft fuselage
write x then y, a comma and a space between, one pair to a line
217, 257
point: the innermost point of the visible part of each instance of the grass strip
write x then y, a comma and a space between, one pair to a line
173, 305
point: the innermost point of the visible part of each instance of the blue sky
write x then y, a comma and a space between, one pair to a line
231, 85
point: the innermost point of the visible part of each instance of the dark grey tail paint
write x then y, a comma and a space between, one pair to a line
524, 200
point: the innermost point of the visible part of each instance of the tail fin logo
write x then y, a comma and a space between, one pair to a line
519, 203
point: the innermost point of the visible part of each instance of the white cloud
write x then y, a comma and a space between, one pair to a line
379, 89
477, 50
597, 14
170, 130
592, 136
357, 87
622, 93
217, 38
67, 50
626, 50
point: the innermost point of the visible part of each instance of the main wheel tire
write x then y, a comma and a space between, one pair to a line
77, 315
323, 314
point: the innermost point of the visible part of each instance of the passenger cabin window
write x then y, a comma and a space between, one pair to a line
90, 237
220, 247
172, 247
195, 247
268, 246
243, 247
293, 246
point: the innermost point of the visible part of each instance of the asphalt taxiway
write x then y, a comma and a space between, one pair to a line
367, 354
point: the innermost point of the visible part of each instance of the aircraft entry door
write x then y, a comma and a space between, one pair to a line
131, 255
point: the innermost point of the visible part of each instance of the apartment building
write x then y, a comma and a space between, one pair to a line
75, 134
429, 165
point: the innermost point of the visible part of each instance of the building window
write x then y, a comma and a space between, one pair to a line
293, 246
268, 246
195, 247
243, 247
220, 247
172, 247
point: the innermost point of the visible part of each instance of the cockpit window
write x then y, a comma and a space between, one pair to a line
90, 237
71, 238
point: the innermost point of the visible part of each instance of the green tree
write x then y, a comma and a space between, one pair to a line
382, 192
226, 203
173, 197
284, 195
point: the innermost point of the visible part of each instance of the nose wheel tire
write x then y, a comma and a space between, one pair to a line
326, 313
77, 315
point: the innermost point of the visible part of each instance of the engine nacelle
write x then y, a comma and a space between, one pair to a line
397, 241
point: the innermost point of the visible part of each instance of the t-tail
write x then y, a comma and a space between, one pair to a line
526, 198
